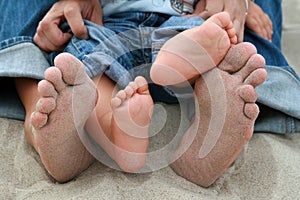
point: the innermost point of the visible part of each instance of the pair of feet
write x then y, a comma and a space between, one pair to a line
56, 130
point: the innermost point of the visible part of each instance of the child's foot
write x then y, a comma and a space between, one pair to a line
55, 127
132, 110
224, 120
194, 51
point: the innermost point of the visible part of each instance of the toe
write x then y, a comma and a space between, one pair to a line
46, 89
142, 84
255, 62
38, 120
72, 69
121, 95
251, 110
129, 91
133, 85
248, 94
222, 19
115, 102
237, 57
54, 76
257, 77
46, 105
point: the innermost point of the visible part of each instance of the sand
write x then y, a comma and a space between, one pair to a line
268, 168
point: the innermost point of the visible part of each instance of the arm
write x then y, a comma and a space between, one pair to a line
259, 22
49, 37
235, 8
256, 19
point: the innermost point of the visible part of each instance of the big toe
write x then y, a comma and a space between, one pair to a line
237, 57
72, 69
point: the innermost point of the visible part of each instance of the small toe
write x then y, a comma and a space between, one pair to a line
46, 89
38, 120
251, 110
121, 95
133, 85
255, 62
54, 76
115, 102
129, 91
46, 105
257, 77
248, 94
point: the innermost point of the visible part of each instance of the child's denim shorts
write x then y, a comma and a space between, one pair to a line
126, 46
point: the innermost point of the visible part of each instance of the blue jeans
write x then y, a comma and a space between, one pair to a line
20, 58
280, 94
126, 46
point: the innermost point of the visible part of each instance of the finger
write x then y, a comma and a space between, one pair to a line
256, 24
239, 27
46, 42
42, 41
253, 24
73, 15
212, 7
269, 27
53, 33
263, 26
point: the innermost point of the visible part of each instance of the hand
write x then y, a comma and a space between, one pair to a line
259, 22
235, 8
50, 37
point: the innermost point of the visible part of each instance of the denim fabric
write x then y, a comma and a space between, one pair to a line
19, 57
122, 49
20, 18
280, 94
279, 112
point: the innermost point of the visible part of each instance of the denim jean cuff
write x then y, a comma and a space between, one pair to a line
297, 125
23, 60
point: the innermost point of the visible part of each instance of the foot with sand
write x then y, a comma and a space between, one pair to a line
217, 141
132, 110
55, 130
68, 100
194, 51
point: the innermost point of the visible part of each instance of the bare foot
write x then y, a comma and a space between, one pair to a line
194, 51
55, 129
132, 110
224, 120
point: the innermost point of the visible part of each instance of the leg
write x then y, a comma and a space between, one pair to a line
55, 130
132, 110
213, 150
123, 120
55, 122
201, 48
28, 93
